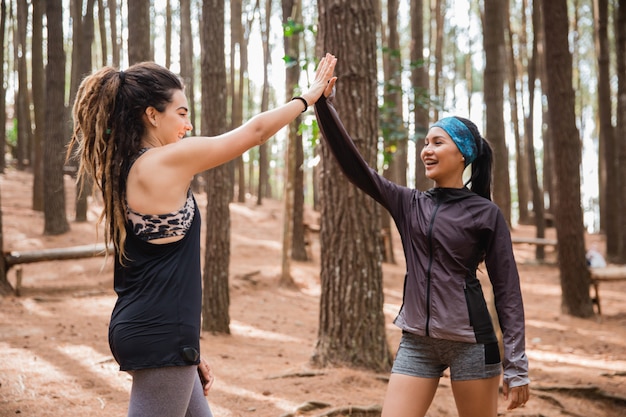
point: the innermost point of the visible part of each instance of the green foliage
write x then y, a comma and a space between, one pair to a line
291, 28
12, 134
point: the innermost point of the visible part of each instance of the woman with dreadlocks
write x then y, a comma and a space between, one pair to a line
129, 136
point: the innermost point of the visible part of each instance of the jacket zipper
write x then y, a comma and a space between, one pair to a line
430, 264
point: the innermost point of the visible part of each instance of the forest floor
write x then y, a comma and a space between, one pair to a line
55, 358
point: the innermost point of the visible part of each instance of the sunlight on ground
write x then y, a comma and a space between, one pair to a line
246, 330
543, 289
257, 243
280, 403
577, 360
593, 334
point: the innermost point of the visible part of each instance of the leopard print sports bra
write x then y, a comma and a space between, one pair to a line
156, 226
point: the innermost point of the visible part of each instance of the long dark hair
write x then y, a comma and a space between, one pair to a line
480, 180
108, 128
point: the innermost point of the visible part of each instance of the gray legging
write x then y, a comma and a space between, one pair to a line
173, 391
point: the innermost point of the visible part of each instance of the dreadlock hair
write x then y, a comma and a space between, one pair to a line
480, 179
109, 125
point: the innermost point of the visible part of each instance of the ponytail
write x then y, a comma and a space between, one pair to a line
480, 180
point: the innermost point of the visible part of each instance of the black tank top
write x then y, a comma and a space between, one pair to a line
156, 319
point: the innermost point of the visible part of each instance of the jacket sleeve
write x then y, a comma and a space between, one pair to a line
502, 269
350, 160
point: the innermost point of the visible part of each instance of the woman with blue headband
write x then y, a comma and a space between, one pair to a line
446, 232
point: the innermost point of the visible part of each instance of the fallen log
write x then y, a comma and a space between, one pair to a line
56, 254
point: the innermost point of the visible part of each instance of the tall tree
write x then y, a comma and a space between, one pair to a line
216, 298
115, 41
352, 323
55, 218
493, 40
514, 107
168, 34
39, 103
102, 30
436, 44
292, 34
609, 206
419, 81
139, 44
5, 285
22, 98
392, 123
620, 29
238, 48
186, 59
82, 41
265, 97
3, 90
568, 213
537, 192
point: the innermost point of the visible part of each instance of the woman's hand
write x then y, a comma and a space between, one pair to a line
518, 395
206, 376
323, 78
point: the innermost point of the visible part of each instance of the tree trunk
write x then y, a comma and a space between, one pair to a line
139, 44
216, 302
236, 87
186, 59
520, 150
22, 102
168, 34
620, 30
3, 90
493, 38
39, 103
102, 33
537, 192
610, 154
419, 79
437, 22
115, 41
352, 323
55, 218
82, 39
573, 270
292, 19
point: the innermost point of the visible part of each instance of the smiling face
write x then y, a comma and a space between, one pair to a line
442, 159
172, 124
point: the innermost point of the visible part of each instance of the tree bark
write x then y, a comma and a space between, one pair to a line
3, 90
352, 323
139, 44
419, 79
292, 21
573, 270
22, 99
55, 218
493, 38
610, 204
216, 298
39, 103
186, 59
620, 30
537, 191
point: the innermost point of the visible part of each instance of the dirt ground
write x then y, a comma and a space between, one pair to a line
55, 359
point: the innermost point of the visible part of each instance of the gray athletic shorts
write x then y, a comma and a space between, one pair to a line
426, 357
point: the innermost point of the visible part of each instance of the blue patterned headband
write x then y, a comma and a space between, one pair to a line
461, 135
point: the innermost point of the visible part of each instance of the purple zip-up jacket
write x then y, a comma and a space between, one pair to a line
446, 233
